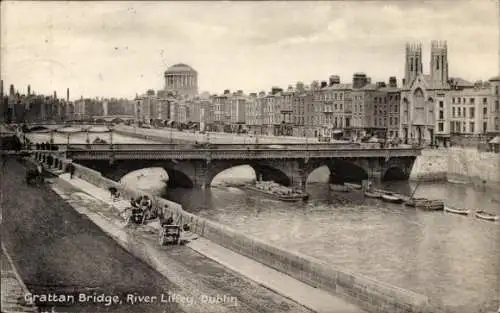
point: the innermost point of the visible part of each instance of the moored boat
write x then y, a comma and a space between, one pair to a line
353, 186
373, 194
391, 198
425, 204
340, 188
451, 209
276, 191
486, 215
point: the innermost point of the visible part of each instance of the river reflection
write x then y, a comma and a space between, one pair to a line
448, 257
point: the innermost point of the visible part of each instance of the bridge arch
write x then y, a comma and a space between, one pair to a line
341, 170
261, 169
394, 173
178, 176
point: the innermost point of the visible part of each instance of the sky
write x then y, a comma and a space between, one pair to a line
118, 49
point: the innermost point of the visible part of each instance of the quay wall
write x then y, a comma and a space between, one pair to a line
458, 165
468, 165
431, 165
369, 294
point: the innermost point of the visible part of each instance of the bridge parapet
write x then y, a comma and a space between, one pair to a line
239, 154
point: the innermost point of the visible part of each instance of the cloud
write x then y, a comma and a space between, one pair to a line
120, 48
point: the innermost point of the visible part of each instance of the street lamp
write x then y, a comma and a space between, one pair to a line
111, 137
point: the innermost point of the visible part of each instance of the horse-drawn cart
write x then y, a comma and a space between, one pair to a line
170, 234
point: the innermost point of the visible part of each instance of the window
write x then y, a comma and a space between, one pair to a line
453, 100
471, 100
497, 104
440, 127
453, 112
458, 100
472, 112
485, 100
485, 111
464, 130
441, 115
485, 127
441, 104
341, 106
471, 127
496, 90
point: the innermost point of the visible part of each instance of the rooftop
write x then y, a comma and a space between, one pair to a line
180, 67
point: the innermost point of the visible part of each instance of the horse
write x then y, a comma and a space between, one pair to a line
115, 194
33, 176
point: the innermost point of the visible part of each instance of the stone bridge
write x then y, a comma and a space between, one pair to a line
287, 165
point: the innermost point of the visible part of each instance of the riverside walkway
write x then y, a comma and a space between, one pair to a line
228, 277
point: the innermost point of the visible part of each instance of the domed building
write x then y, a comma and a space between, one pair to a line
182, 79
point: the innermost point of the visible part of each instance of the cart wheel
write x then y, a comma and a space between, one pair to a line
161, 238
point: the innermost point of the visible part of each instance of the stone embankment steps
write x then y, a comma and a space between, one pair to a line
13, 288
310, 297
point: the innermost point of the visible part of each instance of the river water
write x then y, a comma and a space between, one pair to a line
454, 259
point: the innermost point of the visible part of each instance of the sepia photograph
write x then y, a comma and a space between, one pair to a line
250, 156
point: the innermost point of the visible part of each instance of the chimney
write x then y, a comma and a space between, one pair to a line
359, 80
381, 85
11, 90
324, 84
404, 81
67, 94
393, 82
275, 90
55, 95
29, 90
300, 86
333, 80
227, 91
239, 92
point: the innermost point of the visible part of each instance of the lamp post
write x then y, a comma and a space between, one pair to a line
67, 142
111, 137
171, 133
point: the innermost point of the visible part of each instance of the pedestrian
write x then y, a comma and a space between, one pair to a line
71, 170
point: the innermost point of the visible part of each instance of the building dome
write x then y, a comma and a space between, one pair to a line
181, 67
181, 79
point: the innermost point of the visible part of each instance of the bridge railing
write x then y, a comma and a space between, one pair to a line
224, 154
167, 147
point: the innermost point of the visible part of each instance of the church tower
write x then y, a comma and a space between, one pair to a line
439, 61
413, 62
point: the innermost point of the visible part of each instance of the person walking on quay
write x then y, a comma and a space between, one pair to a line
71, 170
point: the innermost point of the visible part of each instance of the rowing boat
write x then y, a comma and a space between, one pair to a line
451, 209
353, 186
393, 199
376, 195
339, 188
486, 216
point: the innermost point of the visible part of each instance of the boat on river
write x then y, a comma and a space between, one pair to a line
391, 198
486, 215
353, 186
425, 204
453, 210
277, 191
339, 188
372, 194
